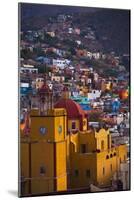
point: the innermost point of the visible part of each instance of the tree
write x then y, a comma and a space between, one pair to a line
72, 44
72, 51
95, 116
26, 54
43, 69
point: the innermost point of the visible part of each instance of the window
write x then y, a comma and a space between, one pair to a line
102, 145
111, 155
42, 130
111, 167
103, 171
88, 173
84, 122
42, 170
83, 148
107, 157
73, 125
114, 153
76, 173
109, 141
124, 157
60, 129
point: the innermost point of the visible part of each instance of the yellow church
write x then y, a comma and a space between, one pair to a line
62, 153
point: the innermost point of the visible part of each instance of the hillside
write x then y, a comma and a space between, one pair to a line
111, 26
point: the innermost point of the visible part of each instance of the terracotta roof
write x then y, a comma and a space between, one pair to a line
73, 109
65, 89
44, 89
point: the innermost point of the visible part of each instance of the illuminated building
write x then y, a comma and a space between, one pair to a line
62, 153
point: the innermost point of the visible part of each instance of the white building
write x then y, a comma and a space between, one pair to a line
96, 76
61, 63
120, 118
29, 70
123, 175
96, 55
89, 54
70, 30
24, 85
78, 42
94, 94
58, 78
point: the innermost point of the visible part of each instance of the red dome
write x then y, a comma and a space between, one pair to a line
73, 109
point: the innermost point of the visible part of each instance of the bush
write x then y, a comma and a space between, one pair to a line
95, 116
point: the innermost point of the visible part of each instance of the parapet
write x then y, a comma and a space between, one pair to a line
49, 112
57, 112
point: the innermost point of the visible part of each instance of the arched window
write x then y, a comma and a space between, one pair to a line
72, 145
88, 173
103, 171
108, 138
102, 145
111, 155
107, 157
76, 172
83, 148
73, 125
84, 122
42, 170
111, 167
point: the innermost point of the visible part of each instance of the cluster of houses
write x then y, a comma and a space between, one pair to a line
66, 64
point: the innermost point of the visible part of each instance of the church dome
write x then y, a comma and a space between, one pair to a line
73, 109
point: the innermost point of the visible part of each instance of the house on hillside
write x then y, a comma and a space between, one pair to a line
61, 63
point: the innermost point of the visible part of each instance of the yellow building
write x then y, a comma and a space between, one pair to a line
93, 159
106, 86
62, 153
51, 33
43, 153
91, 156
